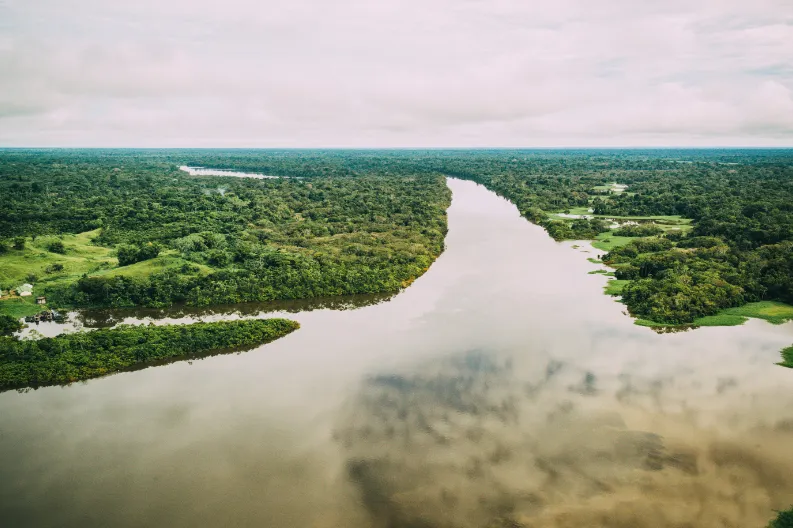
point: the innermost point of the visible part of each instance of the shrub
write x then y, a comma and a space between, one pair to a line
54, 268
8, 325
641, 230
783, 520
56, 247
129, 254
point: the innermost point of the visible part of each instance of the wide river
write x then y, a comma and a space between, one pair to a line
502, 384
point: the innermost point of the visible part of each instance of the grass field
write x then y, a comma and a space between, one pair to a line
607, 241
771, 311
720, 319
615, 286
80, 257
19, 307
39, 266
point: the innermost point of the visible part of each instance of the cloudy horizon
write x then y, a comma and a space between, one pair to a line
435, 73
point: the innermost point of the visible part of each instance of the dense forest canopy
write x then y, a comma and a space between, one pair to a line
208, 240
709, 228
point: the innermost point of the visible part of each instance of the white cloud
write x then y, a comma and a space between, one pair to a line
423, 73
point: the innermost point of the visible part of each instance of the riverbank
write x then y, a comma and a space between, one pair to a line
68, 358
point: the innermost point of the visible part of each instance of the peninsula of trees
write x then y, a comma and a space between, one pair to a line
83, 355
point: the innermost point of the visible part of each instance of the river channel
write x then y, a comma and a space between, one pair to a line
502, 387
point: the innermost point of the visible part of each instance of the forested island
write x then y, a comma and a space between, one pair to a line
84, 355
695, 237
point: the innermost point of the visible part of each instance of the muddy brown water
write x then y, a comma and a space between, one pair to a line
501, 389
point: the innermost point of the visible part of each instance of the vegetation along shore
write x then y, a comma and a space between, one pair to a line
73, 357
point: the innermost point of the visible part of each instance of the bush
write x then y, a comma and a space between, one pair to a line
783, 520
9, 325
54, 268
700, 242
218, 258
19, 243
129, 254
641, 230
56, 247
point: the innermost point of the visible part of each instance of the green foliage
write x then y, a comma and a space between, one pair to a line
784, 519
72, 357
54, 268
9, 325
680, 297
607, 241
787, 358
19, 243
720, 319
615, 286
19, 307
348, 227
130, 254
640, 230
56, 247
773, 312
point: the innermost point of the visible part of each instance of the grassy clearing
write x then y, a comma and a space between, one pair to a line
594, 260
166, 260
607, 241
19, 307
615, 286
771, 311
43, 268
80, 257
602, 272
720, 319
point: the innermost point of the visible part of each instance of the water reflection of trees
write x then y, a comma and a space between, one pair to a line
106, 318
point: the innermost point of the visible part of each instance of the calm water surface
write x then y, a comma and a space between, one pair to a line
502, 385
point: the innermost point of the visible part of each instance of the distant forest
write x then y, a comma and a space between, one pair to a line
342, 222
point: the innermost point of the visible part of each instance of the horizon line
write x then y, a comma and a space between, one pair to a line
646, 147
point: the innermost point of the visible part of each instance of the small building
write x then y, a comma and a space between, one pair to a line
41, 300
26, 290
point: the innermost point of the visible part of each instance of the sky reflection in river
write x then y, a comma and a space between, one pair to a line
502, 387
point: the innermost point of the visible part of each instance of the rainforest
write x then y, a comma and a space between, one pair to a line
434, 338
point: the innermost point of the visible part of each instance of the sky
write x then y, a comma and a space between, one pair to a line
388, 73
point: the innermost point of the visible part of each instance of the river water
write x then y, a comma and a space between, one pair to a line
501, 387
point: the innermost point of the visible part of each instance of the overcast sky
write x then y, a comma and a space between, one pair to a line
372, 73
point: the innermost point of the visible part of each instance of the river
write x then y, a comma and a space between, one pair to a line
502, 384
